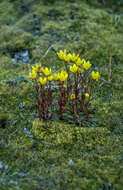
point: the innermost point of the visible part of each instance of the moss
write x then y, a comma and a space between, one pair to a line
11, 70
7, 13
30, 23
72, 167
62, 134
74, 162
113, 115
4, 119
13, 38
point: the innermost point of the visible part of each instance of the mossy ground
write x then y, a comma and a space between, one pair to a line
88, 158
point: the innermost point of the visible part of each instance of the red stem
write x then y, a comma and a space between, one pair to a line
83, 93
76, 91
68, 80
73, 107
60, 100
42, 102
49, 99
37, 100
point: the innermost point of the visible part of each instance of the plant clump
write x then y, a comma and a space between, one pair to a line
74, 88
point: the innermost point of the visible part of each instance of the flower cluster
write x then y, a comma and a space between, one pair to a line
79, 64
44, 79
45, 74
73, 87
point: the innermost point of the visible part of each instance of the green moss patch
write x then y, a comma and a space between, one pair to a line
65, 134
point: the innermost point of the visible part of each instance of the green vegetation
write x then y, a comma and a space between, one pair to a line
36, 155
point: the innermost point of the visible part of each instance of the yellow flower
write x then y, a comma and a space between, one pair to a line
86, 95
37, 68
86, 65
64, 72
43, 81
50, 78
95, 75
74, 57
67, 57
80, 70
72, 96
32, 75
63, 76
64, 85
55, 76
73, 68
61, 54
47, 71
83, 61
79, 62
33, 68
